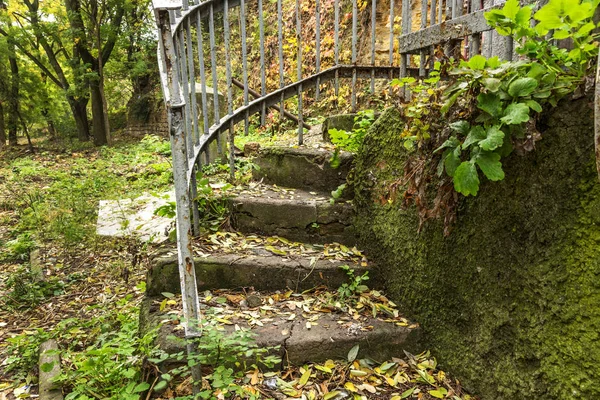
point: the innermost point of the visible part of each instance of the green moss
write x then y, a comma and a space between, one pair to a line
510, 301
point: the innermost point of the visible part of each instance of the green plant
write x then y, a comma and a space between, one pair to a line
111, 365
23, 353
229, 355
350, 141
19, 248
27, 290
506, 94
354, 286
463, 127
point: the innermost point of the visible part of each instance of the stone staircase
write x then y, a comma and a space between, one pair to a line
276, 286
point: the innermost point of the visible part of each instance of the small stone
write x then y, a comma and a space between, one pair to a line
253, 301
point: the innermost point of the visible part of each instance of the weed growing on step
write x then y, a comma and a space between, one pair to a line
354, 287
350, 140
228, 355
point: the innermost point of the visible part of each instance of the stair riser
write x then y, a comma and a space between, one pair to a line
309, 222
262, 273
301, 169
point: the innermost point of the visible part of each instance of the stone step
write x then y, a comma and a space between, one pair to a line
299, 335
262, 272
303, 216
301, 168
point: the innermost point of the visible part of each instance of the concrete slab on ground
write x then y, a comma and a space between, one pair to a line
135, 217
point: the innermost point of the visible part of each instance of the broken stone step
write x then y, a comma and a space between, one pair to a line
314, 337
262, 272
307, 217
301, 168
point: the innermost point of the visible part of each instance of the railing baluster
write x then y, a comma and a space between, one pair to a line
215, 77
391, 55
226, 39
373, 41
422, 53
183, 76
201, 66
280, 54
404, 57
263, 81
244, 62
299, 70
440, 11
192, 80
336, 40
318, 47
354, 51
475, 43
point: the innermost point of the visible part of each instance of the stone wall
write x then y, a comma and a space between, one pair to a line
510, 301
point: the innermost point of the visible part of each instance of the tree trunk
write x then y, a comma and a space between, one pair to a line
13, 100
2, 129
99, 120
79, 110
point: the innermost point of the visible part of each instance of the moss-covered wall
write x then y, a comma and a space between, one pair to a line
510, 301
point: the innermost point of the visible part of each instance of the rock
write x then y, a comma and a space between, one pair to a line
253, 301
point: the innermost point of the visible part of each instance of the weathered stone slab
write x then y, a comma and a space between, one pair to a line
305, 218
301, 168
49, 356
134, 217
230, 271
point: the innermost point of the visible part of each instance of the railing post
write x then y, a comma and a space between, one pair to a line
176, 119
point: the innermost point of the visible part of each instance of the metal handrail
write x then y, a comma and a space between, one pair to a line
182, 56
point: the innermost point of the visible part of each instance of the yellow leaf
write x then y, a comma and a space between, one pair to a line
350, 386
331, 395
305, 377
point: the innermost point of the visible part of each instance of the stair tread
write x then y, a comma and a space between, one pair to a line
300, 325
274, 263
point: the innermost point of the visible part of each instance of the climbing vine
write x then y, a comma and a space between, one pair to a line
489, 107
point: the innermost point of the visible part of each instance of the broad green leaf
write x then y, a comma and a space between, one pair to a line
407, 393
452, 161
523, 16
167, 294
331, 395
534, 105
160, 385
451, 142
461, 126
490, 165
515, 113
490, 103
492, 84
476, 135
47, 366
510, 9
141, 387
493, 62
522, 87
477, 62
494, 139
466, 179
353, 353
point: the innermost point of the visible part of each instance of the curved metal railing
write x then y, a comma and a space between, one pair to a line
204, 49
